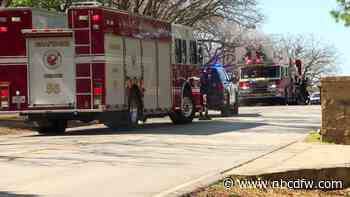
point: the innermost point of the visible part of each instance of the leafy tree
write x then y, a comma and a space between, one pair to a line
342, 13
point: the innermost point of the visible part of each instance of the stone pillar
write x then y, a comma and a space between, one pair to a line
335, 101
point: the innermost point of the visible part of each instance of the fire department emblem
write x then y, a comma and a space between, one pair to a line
52, 59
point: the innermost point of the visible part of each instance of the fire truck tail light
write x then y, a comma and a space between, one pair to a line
98, 91
98, 94
96, 18
3, 29
4, 93
244, 85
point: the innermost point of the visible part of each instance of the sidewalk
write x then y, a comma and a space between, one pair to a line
298, 156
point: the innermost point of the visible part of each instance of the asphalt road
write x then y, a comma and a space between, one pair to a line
153, 160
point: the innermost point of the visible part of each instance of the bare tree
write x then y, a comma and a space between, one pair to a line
3, 3
189, 12
219, 40
220, 22
229, 42
186, 12
318, 57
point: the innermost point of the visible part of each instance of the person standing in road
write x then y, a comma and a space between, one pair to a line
205, 83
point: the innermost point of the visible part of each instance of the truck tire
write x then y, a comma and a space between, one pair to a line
51, 127
187, 112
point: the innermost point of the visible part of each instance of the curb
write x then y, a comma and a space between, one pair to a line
207, 180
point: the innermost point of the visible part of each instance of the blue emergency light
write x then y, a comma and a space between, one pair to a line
214, 65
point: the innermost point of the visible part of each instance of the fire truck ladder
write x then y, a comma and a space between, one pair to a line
89, 45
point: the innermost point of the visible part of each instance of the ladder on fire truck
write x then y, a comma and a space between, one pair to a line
87, 58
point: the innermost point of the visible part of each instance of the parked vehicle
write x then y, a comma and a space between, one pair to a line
113, 67
263, 80
269, 82
221, 90
13, 57
315, 98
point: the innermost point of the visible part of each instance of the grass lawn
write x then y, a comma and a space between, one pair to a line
315, 137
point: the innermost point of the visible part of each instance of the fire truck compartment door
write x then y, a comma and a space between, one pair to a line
164, 75
51, 71
115, 91
150, 74
133, 58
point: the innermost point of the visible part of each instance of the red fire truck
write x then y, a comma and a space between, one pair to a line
111, 66
264, 80
13, 61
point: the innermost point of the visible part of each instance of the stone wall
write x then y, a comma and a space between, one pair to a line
335, 100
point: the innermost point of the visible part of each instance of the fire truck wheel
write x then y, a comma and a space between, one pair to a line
52, 127
187, 113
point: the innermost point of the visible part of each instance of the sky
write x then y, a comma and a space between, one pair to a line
308, 17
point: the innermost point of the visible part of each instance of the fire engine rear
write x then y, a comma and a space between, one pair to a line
271, 78
265, 81
13, 60
109, 66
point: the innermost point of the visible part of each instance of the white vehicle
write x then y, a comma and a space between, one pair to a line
315, 98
